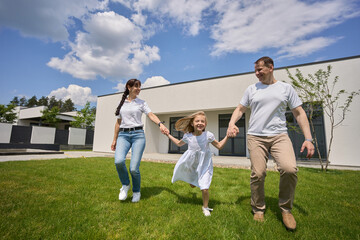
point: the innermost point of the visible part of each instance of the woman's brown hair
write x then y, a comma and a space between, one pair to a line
129, 84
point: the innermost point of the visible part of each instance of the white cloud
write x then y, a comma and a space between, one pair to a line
304, 48
110, 47
79, 95
251, 26
120, 87
155, 81
43, 18
149, 82
187, 13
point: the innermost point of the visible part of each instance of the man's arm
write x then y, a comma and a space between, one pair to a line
303, 122
233, 130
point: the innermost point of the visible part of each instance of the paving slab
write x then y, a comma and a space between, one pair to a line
26, 151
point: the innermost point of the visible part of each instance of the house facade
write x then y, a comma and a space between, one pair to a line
218, 97
32, 117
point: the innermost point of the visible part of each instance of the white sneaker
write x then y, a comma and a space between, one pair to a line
136, 197
207, 211
123, 192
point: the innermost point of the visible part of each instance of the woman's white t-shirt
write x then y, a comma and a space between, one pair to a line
268, 105
130, 113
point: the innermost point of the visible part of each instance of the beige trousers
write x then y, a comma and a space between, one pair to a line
281, 149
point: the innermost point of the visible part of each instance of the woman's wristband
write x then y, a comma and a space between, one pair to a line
161, 122
309, 140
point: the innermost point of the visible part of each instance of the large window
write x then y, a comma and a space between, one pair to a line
177, 134
297, 137
235, 146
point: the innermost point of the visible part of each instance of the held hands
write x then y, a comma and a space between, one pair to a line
164, 130
232, 131
310, 148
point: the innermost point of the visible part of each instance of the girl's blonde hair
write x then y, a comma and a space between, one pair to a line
185, 124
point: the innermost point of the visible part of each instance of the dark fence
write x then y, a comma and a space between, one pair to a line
21, 138
21, 134
89, 137
61, 137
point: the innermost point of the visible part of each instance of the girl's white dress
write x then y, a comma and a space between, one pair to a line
195, 165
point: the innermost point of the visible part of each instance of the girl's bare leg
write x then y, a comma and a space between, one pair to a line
205, 197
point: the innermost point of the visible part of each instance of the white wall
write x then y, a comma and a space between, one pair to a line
223, 94
5, 132
31, 112
214, 94
77, 136
343, 151
42, 135
105, 122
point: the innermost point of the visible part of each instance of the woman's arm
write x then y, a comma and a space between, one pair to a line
221, 144
116, 133
177, 142
157, 121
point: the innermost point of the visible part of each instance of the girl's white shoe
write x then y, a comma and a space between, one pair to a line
207, 211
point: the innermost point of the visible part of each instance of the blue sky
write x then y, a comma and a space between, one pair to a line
86, 48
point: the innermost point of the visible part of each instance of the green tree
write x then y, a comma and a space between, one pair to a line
15, 101
317, 90
85, 118
68, 106
49, 116
32, 102
53, 102
43, 101
23, 101
7, 114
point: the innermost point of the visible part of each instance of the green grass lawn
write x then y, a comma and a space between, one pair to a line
78, 199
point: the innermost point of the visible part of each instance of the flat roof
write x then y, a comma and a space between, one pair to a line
239, 74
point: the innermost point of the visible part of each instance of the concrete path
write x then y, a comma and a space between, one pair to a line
219, 161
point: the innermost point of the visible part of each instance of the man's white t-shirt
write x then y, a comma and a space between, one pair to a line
130, 113
268, 105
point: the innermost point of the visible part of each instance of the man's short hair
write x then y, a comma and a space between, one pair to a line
267, 61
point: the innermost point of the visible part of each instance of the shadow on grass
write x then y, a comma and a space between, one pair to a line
148, 192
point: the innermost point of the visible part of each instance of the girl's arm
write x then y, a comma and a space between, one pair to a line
177, 142
157, 121
116, 133
221, 144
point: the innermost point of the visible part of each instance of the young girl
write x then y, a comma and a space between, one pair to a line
195, 165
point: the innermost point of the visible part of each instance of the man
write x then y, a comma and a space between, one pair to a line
267, 133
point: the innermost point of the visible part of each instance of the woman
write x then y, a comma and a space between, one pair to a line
128, 134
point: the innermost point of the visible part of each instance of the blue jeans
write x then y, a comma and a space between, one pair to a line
136, 141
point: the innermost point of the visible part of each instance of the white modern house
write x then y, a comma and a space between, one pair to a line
218, 97
32, 117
